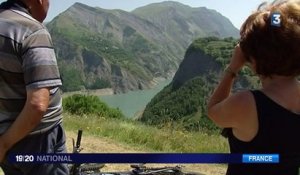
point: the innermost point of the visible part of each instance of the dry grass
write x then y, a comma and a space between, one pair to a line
94, 144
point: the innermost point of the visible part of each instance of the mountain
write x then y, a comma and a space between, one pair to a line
190, 23
183, 102
99, 48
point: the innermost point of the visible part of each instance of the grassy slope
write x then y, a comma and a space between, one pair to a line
145, 137
91, 143
115, 135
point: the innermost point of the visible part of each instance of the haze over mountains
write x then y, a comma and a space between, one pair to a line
99, 48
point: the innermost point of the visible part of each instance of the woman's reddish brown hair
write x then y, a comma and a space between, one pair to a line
275, 49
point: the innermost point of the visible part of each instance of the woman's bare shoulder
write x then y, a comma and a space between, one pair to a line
232, 111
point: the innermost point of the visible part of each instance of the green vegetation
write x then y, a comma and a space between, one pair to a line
185, 106
72, 80
145, 43
147, 137
99, 83
89, 105
220, 49
95, 118
140, 45
102, 45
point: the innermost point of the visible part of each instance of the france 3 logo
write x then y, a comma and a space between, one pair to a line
275, 19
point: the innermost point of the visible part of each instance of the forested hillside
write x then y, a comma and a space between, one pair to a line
183, 102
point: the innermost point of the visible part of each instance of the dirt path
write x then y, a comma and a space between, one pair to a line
95, 144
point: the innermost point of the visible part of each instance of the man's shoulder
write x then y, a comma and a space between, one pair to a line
21, 19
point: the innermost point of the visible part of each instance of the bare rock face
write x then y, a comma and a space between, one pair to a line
128, 50
195, 64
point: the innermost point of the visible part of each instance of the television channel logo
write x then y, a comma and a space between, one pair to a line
275, 19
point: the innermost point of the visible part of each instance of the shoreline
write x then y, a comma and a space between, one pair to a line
97, 92
109, 91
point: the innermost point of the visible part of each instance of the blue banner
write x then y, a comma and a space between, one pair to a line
126, 158
260, 158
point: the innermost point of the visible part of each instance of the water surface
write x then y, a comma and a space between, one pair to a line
132, 102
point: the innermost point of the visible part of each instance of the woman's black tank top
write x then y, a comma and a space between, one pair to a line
278, 133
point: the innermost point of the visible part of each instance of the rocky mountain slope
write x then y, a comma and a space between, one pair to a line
99, 48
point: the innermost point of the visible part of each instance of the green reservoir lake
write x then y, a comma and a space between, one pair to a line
132, 102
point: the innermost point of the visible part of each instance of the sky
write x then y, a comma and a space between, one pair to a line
235, 10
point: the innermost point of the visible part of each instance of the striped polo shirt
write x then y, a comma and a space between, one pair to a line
27, 61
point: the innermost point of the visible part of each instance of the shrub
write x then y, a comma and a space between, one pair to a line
89, 104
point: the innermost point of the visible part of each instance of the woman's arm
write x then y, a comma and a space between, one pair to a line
225, 109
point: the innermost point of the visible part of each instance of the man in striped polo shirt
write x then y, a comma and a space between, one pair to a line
30, 101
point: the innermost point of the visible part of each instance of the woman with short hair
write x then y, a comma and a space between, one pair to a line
266, 120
